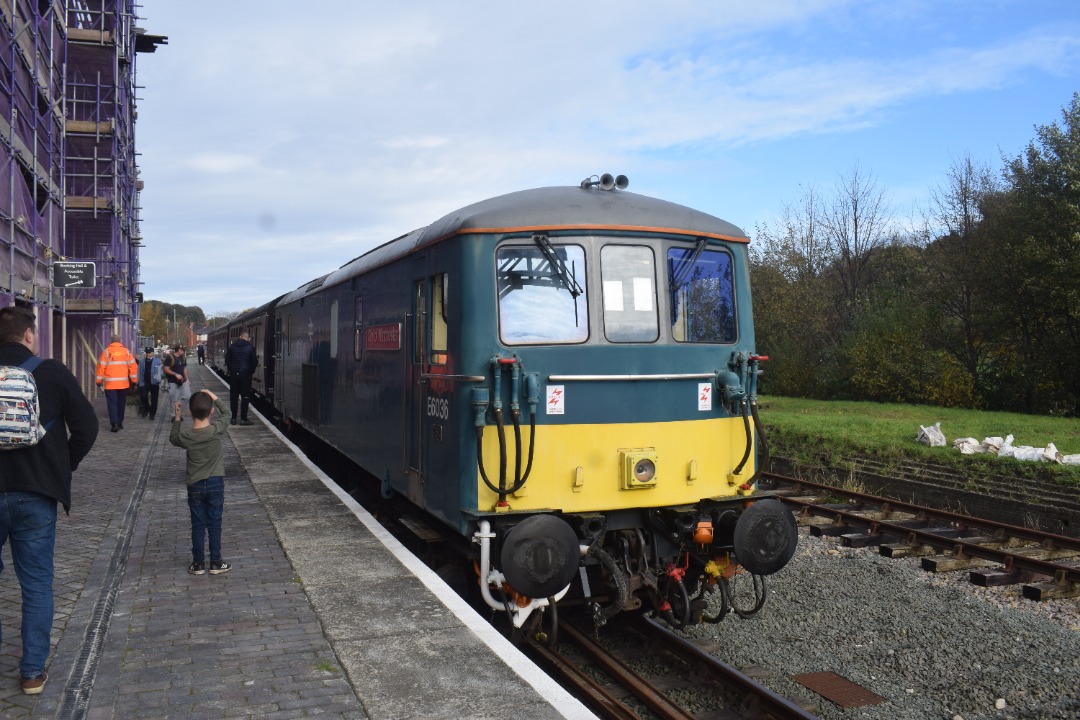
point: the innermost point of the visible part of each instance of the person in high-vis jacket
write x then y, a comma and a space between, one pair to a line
117, 371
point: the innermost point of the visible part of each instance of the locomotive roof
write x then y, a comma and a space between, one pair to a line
547, 209
578, 208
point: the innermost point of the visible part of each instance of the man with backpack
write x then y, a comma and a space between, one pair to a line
116, 372
175, 369
35, 475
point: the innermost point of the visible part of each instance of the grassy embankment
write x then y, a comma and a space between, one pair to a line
810, 431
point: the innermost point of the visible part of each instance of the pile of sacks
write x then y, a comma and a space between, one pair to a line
934, 437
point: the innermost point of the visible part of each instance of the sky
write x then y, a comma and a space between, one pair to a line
279, 140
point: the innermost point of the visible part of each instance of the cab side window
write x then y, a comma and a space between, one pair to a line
702, 287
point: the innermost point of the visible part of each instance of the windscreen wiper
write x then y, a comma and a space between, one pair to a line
680, 273
559, 266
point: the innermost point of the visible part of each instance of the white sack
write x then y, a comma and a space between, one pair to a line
968, 446
931, 436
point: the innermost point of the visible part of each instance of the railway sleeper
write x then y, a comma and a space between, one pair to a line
960, 560
1038, 552
862, 539
904, 549
915, 547
811, 520
997, 577
1058, 590
950, 563
833, 530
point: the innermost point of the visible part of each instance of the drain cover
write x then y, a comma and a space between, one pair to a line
839, 690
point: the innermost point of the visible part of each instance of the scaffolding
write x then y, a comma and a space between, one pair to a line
69, 184
32, 51
102, 185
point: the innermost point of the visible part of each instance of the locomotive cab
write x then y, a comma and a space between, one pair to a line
625, 356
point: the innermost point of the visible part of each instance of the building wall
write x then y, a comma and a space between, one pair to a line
69, 186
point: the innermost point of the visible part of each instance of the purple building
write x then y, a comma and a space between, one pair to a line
69, 185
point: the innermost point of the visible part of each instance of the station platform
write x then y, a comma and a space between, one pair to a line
323, 614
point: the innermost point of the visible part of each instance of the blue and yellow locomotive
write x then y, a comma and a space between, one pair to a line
564, 376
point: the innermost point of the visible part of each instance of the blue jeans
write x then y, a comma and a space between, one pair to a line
206, 500
29, 521
116, 400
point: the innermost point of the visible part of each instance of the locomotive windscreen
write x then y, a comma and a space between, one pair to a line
536, 304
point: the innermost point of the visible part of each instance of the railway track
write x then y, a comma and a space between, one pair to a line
993, 553
1032, 502
607, 677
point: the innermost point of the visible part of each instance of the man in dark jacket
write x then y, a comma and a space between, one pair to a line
33, 479
241, 361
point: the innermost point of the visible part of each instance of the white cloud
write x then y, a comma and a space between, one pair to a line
283, 139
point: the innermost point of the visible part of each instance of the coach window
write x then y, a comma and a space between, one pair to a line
333, 329
542, 294
628, 274
702, 295
419, 322
438, 319
358, 332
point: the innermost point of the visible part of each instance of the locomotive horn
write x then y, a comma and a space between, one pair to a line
607, 181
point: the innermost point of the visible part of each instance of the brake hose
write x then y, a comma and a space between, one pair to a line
622, 590
763, 458
749, 437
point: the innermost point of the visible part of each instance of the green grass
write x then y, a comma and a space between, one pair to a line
811, 430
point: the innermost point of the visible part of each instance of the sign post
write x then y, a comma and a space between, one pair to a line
74, 275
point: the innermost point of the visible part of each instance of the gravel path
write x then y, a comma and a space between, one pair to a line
933, 645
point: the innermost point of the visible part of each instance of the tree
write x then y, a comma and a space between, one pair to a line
957, 264
856, 224
153, 323
170, 322
791, 297
220, 317
1038, 258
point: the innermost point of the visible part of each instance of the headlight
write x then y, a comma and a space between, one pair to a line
639, 468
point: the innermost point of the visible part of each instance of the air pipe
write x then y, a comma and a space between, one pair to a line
480, 406
763, 459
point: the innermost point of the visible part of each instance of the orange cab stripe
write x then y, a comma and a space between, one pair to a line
624, 228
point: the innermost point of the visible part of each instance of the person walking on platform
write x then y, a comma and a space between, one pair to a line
201, 352
33, 479
175, 368
116, 371
205, 476
241, 361
149, 384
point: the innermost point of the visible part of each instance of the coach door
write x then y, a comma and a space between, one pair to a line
416, 392
280, 342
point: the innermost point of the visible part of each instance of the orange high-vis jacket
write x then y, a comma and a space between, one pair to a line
116, 368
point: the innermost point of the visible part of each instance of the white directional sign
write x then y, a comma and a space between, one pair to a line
74, 274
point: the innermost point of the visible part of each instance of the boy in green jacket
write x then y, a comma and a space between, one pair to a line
205, 476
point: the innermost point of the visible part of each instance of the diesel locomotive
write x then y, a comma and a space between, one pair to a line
565, 378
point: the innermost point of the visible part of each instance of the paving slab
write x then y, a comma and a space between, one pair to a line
324, 613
